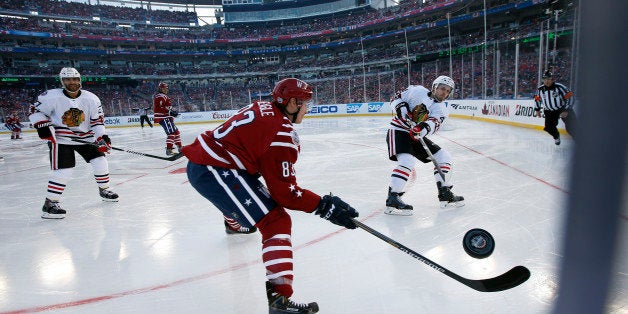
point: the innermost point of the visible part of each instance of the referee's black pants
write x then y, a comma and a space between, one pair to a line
145, 118
551, 121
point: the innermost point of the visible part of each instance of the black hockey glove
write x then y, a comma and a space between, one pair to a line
174, 113
46, 131
337, 211
402, 110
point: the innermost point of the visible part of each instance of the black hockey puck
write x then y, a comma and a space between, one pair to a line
478, 243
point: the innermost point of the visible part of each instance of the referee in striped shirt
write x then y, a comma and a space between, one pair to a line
557, 102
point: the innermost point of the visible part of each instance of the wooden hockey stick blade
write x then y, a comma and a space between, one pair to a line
171, 158
505, 281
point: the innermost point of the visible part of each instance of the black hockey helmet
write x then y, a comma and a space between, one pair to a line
548, 74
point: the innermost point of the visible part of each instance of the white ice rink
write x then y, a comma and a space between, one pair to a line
163, 249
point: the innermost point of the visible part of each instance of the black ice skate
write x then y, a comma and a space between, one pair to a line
108, 196
447, 198
395, 206
169, 151
557, 141
52, 210
278, 304
238, 229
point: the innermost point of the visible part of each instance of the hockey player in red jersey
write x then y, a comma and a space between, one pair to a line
164, 115
61, 115
13, 123
260, 140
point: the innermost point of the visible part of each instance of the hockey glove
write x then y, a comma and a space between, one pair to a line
420, 130
402, 110
174, 113
46, 131
103, 143
338, 212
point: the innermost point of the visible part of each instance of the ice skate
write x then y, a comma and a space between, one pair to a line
395, 206
52, 210
108, 195
169, 151
557, 141
236, 228
278, 304
447, 198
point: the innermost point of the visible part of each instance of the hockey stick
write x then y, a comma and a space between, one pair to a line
442, 175
171, 158
510, 279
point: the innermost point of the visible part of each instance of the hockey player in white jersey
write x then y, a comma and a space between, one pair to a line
61, 115
419, 112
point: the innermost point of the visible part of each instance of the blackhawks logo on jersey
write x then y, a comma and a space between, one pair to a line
73, 117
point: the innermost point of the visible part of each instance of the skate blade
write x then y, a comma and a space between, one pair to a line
52, 216
231, 232
109, 199
398, 212
446, 204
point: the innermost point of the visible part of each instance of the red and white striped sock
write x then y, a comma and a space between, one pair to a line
277, 257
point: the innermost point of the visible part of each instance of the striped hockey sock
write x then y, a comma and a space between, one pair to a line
277, 257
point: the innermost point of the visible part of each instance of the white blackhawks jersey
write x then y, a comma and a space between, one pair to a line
79, 118
415, 95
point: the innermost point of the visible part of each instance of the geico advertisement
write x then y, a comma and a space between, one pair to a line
324, 109
349, 109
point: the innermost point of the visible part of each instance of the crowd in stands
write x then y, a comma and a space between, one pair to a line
107, 12
337, 76
338, 87
111, 16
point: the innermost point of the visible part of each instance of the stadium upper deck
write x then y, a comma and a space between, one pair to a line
353, 52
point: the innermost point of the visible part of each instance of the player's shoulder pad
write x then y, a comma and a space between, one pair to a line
89, 94
51, 93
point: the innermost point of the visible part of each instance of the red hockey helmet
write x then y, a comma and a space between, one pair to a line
291, 88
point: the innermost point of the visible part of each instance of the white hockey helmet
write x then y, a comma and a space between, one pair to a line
69, 72
446, 80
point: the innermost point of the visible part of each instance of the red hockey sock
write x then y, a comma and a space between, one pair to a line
277, 257
276, 228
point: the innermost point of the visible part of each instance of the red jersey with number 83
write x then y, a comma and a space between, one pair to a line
258, 139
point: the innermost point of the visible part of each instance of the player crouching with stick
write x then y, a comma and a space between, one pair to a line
225, 166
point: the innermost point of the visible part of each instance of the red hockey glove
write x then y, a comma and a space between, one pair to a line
46, 131
420, 130
104, 144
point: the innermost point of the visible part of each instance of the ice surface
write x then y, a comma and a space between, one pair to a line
163, 249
